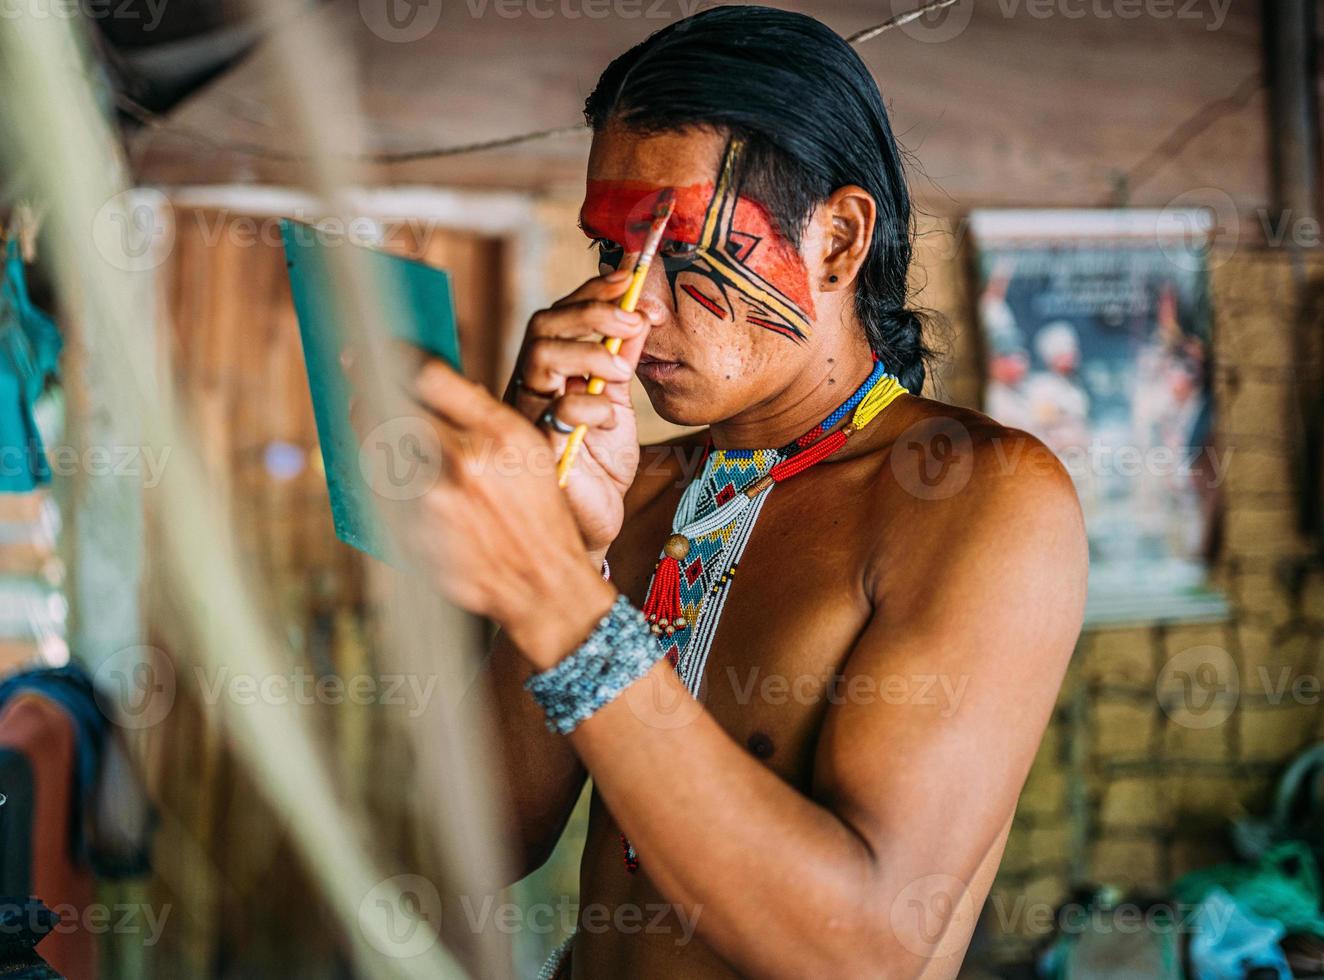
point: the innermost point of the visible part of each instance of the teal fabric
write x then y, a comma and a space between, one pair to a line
1283, 886
1231, 942
29, 353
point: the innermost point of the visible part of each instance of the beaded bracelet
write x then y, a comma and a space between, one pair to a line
617, 653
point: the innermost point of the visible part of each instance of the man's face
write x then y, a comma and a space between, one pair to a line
732, 294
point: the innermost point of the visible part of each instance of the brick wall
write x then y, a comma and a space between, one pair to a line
1165, 733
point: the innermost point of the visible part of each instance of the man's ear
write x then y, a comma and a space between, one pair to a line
846, 223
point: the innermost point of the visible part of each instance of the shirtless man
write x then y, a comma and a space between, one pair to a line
836, 799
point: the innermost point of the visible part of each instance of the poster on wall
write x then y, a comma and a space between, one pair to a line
1096, 337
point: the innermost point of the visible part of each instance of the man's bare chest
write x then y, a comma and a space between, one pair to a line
794, 607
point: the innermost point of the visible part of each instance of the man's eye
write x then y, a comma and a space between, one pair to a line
610, 255
607, 248
681, 251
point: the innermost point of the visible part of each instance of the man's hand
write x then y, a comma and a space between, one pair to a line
492, 531
562, 348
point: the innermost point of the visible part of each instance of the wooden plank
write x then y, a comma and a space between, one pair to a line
237, 366
1018, 107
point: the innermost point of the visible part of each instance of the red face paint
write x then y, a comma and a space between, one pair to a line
622, 210
754, 273
704, 300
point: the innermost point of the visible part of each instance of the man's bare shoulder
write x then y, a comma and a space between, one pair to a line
945, 455
962, 477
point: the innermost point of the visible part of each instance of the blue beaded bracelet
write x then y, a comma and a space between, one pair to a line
617, 653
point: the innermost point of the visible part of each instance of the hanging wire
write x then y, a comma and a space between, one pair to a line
160, 123
900, 20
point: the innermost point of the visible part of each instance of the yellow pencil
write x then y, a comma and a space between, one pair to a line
661, 215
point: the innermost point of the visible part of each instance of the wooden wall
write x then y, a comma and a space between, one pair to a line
241, 904
1002, 102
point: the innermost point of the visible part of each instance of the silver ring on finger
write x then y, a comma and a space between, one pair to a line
549, 419
521, 386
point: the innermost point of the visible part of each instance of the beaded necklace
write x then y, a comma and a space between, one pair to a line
713, 524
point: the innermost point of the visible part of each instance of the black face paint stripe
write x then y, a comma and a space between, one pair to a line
724, 252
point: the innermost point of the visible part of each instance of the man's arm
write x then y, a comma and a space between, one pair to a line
542, 773
883, 870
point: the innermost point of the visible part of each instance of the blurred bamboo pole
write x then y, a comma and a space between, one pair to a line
316, 96
55, 126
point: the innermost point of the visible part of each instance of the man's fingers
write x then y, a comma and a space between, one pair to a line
548, 364
357, 363
591, 318
595, 411
432, 411
612, 286
407, 358
454, 399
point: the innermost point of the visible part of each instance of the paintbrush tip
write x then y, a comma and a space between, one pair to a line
666, 200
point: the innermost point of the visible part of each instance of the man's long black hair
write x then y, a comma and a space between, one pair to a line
812, 120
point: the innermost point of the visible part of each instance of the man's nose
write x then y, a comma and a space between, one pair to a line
656, 301
653, 308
